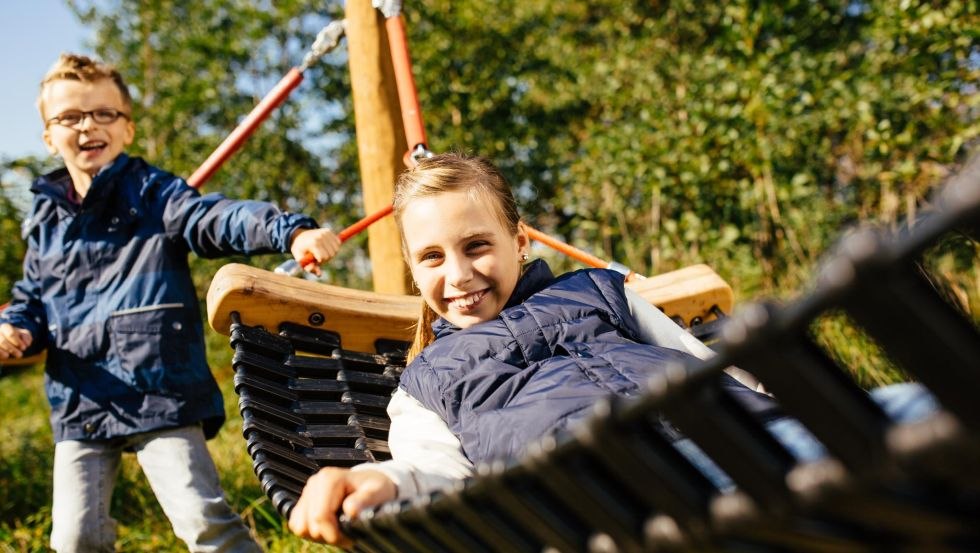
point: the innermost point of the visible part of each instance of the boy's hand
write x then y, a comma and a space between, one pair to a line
13, 341
314, 516
321, 243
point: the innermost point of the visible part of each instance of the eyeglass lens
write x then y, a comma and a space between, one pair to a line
102, 116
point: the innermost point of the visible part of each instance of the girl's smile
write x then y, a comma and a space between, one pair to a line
468, 302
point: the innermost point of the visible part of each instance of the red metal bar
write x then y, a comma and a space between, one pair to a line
405, 82
234, 141
574, 252
533, 233
364, 223
566, 249
351, 231
415, 136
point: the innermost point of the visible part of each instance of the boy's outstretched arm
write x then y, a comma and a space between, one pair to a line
14, 341
314, 516
321, 243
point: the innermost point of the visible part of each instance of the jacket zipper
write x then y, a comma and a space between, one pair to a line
132, 310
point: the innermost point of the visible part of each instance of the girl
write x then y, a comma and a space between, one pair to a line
504, 353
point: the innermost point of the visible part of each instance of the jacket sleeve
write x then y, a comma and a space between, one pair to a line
25, 309
426, 455
215, 226
657, 329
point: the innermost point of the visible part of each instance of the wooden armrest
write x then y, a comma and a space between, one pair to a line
689, 293
24, 361
263, 298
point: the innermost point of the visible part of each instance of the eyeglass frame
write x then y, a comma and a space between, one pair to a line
57, 119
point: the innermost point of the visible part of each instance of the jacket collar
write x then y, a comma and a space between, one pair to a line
55, 184
535, 277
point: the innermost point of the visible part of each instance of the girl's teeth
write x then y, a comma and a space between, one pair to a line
467, 301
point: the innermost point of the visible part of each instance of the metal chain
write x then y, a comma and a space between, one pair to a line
326, 40
389, 8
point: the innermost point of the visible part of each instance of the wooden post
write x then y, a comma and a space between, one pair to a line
380, 137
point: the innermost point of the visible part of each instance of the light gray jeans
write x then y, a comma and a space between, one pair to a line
906, 402
181, 473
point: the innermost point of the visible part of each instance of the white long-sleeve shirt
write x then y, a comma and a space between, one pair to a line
427, 456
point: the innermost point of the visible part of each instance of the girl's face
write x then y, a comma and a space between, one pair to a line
464, 260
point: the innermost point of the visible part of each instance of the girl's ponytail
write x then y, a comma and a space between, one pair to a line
423, 332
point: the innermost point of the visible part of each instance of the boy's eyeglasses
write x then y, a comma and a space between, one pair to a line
74, 118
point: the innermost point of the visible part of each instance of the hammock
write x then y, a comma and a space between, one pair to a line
315, 365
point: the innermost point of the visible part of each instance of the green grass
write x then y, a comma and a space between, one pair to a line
27, 452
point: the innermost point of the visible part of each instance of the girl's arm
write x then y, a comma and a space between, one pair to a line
426, 455
658, 329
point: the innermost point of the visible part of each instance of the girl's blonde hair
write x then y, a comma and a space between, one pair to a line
452, 172
76, 67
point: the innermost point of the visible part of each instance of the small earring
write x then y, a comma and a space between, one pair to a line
523, 257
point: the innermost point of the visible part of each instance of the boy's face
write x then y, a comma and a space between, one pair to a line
88, 145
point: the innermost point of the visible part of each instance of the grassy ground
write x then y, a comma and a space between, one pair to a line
26, 450
26, 454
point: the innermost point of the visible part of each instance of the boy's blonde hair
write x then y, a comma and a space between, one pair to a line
452, 172
76, 67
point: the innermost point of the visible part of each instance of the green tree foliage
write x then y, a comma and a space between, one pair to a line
742, 134
197, 68
15, 178
11, 246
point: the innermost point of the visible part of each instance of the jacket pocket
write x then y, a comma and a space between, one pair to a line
607, 373
150, 344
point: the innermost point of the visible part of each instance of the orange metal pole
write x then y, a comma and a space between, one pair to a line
578, 254
533, 233
351, 231
405, 82
415, 135
364, 223
234, 141
566, 249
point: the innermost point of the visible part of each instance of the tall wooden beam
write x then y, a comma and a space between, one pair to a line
380, 137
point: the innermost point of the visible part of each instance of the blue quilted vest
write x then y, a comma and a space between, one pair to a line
557, 347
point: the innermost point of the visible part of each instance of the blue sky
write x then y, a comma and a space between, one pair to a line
32, 34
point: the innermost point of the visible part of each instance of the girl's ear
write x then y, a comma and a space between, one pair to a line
523, 241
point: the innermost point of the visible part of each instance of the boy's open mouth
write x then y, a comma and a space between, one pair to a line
95, 145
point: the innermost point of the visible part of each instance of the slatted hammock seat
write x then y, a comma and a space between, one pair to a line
312, 397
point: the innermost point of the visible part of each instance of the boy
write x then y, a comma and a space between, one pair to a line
107, 290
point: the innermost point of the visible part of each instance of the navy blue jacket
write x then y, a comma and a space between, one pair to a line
108, 291
557, 347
